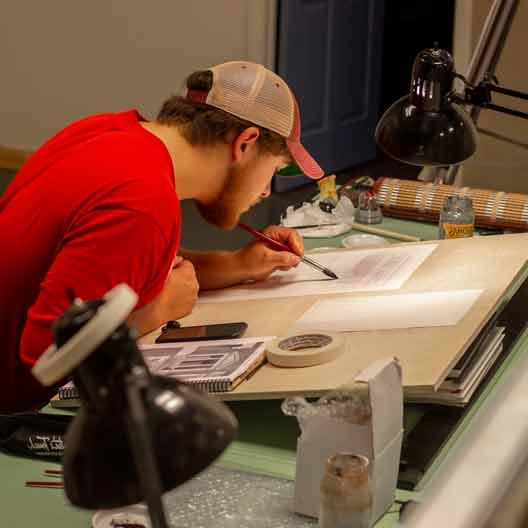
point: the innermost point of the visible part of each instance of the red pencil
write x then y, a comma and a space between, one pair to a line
275, 244
53, 471
42, 484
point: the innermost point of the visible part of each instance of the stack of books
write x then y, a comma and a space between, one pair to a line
466, 376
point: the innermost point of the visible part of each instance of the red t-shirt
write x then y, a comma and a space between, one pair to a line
93, 207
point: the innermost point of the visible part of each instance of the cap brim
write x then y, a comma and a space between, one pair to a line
305, 162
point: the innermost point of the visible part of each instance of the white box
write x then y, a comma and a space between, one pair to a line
379, 440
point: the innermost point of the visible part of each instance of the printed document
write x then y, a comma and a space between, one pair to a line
360, 270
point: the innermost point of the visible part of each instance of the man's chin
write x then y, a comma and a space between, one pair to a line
226, 225
222, 219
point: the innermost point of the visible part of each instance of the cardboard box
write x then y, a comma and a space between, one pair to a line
379, 440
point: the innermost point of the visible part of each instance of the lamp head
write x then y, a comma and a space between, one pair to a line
188, 430
427, 127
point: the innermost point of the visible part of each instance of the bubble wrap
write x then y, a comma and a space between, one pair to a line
221, 498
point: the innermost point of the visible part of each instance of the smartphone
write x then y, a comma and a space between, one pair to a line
202, 332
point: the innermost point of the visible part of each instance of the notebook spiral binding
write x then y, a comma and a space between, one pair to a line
69, 391
211, 385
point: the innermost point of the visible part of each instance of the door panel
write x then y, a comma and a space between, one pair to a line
330, 53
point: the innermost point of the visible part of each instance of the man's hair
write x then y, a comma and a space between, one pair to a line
205, 125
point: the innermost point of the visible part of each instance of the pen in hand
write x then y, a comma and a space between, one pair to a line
275, 244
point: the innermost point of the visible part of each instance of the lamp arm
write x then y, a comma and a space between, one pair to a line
480, 95
139, 437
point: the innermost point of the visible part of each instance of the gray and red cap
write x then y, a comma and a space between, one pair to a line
252, 92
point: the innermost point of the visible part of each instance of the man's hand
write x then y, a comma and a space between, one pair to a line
256, 261
180, 292
261, 261
176, 300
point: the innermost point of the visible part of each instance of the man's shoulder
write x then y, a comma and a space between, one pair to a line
115, 147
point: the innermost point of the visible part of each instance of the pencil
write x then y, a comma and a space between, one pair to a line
384, 232
309, 226
283, 247
42, 484
53, 471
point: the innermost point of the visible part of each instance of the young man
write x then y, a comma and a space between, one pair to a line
98, 204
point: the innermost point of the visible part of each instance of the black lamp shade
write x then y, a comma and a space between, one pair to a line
185, 429
426, 127
189, 431
136, 435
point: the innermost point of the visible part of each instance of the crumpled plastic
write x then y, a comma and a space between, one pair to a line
350, 403
311, 214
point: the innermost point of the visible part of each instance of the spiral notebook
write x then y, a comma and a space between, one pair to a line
213, 366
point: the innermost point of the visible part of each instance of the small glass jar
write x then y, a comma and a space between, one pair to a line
368, 210
346, 495
457, 218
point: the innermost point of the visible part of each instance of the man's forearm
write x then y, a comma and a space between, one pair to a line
145, 319
217, 269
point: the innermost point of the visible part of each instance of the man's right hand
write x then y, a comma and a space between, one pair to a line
176, 300
180, 293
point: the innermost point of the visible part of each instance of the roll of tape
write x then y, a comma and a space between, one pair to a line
305, 350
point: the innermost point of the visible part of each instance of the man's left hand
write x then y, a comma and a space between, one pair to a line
260, 260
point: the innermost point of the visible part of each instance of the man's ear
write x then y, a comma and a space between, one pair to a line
243, 142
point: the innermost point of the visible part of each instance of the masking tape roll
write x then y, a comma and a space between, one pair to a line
305, 350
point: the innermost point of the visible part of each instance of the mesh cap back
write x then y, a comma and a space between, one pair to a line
252, 92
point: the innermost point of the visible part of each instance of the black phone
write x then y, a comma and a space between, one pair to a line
202, 332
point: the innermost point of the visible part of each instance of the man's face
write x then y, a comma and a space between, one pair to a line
246, 185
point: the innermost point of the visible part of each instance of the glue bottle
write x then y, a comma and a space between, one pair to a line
346, 495
327, 193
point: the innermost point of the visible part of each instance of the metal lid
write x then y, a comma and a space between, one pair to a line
135, 516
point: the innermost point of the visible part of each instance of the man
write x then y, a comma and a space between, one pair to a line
98, 204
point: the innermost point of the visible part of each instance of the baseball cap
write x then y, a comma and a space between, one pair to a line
254, 93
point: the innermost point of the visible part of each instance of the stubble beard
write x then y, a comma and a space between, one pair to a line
225, 211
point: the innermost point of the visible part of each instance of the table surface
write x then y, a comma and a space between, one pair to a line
261, 447
491, 264
424, 231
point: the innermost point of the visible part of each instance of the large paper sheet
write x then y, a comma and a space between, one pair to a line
360, 270
385, 312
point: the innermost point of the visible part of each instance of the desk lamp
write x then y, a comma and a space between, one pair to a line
136, 435
430, 126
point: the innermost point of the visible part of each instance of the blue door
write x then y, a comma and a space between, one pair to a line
330, 54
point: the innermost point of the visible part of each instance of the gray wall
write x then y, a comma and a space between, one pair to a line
64, 59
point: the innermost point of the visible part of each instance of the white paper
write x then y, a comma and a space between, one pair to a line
360, 270
387, 312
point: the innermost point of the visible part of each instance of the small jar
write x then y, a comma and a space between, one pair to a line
346, 495
457, 218
368, 210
